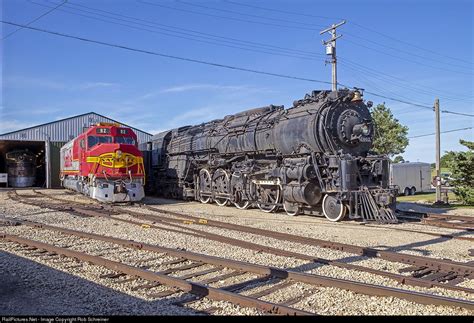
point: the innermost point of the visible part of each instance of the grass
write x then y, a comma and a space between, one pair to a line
431, 197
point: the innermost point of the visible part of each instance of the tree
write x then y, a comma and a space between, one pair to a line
462, 168
390, 135
447, 158
398, 159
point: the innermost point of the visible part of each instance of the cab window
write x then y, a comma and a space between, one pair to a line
125, 140
95, 140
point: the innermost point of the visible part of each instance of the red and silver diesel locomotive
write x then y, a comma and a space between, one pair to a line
105, 164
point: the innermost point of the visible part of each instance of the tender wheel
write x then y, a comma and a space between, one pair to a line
292, 209
220, 186
412, 191
204, 185
240, 203
334, 210
267, 195
406, 192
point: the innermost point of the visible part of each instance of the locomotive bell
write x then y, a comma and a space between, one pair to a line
357, 96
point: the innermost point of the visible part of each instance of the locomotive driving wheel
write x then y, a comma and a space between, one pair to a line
267, 197
292, 209
334, 210
241, 204
204, 186
237, 183
220, 186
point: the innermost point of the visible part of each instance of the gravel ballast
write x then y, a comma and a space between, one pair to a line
323, 301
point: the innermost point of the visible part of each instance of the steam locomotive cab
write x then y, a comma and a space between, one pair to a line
311, 157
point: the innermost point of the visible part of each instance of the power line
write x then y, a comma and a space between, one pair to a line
286, 26
36, 19
423, 57
225, 17
165, 55
406, 59
282, 11
458, 113
432, 134
281, 51
398, 81
211, 39
171, 31
211, 63
248, 15
430, 89
352, 22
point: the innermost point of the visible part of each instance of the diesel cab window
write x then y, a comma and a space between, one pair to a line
95, 140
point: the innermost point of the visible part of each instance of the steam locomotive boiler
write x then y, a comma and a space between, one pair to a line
104, 163
314, 155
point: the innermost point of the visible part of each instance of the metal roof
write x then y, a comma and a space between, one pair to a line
66, 129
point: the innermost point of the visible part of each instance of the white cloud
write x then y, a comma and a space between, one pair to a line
32, 82
95, 85
211, 87
12, 125
20, 81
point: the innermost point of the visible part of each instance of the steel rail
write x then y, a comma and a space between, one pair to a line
440, 220
186, 286
318, 280
279, 252
441, 235
437, 264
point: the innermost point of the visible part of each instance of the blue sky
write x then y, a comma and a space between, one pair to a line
411, 50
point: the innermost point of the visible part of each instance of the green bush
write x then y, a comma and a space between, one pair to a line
462, 167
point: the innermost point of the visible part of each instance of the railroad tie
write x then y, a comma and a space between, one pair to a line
421, 273
238, 286
146, 286
199, 273
112, 275
184, 267
164, 293
126, 280
297, 299
410, 269
222, 277
272, 289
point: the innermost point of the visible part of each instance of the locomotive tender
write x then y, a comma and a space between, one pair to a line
311, 156
104, 163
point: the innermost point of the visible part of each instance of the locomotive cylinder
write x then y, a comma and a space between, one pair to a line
307, 192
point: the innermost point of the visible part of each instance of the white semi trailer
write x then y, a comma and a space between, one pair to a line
410, 178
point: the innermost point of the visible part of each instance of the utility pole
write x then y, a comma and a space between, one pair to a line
438, 154
331, 50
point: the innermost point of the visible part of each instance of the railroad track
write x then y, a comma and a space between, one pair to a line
439, 220
410, 216
272, 279
425, 272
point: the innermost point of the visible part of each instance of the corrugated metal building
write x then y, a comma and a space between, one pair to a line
46, 140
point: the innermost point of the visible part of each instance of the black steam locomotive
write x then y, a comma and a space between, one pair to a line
314, 155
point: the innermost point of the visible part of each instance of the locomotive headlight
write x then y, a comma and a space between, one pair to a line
365, 129
361, 129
